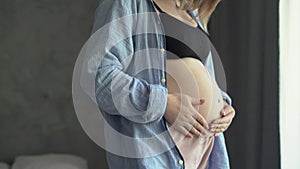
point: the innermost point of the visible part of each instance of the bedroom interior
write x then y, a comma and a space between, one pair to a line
40, 42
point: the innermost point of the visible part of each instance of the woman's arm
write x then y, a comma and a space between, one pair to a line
109, 52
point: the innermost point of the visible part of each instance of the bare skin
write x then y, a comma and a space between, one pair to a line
189, 76
169, 7
180, 108
190, 122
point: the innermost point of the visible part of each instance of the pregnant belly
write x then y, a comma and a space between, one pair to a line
189, 76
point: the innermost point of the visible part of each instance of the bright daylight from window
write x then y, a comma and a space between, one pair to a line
290, 83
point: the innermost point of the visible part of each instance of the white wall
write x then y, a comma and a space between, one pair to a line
290, 83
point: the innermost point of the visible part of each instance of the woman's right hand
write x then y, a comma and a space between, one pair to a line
182, 115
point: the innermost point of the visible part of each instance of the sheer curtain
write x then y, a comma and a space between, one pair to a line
290, 83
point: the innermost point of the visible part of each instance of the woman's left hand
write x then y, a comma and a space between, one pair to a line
220, 125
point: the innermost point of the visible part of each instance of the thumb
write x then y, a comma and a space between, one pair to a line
198, 101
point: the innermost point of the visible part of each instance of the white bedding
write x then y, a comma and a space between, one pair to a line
49, 161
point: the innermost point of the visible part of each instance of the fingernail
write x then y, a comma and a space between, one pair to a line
223, 113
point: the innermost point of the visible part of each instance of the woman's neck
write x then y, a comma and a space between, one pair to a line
171, 8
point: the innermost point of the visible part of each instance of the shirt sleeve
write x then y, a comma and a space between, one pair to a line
226, 97
218, 158
210, 67
109, 54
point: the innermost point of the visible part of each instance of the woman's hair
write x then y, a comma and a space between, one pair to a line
205, 8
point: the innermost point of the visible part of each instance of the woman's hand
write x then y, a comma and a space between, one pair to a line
220, 125
182, 115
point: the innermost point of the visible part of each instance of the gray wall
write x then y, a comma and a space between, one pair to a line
39, 43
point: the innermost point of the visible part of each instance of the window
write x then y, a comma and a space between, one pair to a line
290, 83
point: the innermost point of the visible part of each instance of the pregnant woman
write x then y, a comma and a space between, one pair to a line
154, 84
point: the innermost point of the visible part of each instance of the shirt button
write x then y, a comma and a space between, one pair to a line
162, 50
180, 162
163, 80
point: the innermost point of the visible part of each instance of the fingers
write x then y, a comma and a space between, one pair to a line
199, 125
189, 121
227, 109
219, 128
184, 131
195, 127
226, 119
200, 120
192, 128
195, 132
190, 131
202, 130
216, 128
220, 125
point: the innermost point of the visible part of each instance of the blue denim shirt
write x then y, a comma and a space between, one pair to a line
130, 87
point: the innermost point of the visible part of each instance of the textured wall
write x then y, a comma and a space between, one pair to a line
39, 44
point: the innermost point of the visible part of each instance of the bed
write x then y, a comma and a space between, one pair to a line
46, 161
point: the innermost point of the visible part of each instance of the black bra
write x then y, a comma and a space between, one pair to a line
183, 40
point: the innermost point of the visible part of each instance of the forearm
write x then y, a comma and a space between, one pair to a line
120, 94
